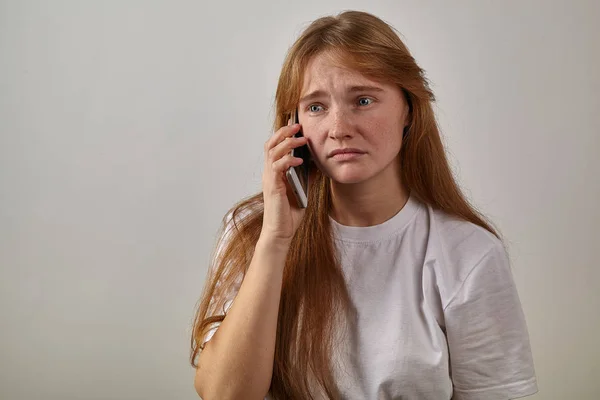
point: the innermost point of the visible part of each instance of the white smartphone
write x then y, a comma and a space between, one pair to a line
297, 177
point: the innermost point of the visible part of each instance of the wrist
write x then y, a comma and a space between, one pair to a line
272, 243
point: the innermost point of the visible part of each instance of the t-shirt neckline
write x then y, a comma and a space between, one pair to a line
376, 232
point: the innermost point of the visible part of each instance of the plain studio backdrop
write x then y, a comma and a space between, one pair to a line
128, 128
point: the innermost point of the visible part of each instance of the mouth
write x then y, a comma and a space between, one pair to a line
346, 154
345, 151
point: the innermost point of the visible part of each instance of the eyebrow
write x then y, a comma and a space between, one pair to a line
353, 89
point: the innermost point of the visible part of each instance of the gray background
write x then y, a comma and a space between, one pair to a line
128, 128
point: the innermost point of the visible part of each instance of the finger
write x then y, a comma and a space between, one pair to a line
280, 135
284, 163
284, 132
285, 147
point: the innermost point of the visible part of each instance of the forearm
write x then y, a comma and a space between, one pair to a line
238, 361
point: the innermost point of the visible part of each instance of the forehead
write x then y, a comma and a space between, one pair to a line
325, 70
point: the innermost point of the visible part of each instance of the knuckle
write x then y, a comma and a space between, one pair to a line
274, 167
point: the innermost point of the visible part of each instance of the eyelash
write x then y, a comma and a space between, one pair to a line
360, 98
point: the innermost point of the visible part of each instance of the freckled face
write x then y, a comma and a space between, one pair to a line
342, 110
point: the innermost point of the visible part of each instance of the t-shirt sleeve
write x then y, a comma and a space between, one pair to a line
230, 294
490, 353
213, 329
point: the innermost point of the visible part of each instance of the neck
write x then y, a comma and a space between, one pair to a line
371, 202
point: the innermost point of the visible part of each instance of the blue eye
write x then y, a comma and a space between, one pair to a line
365, 98
311, 107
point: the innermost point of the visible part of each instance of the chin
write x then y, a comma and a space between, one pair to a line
350, 177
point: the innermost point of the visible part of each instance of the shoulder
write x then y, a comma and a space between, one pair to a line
456, 247
461, 238
230, 224
483, 319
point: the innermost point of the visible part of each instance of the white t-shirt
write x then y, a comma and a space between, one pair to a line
438, 314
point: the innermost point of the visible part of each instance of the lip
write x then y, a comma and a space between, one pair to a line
348, 151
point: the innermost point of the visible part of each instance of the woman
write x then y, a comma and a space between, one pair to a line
389, 284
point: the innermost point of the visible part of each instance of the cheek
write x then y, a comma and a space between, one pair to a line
385, 136
317, 151
316, 141
393, 138
315, 147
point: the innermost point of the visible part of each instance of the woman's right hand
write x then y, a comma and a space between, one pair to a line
282, 215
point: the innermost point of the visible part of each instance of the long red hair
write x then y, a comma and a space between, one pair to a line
313, 290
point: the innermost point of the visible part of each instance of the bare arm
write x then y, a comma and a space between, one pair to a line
238, 361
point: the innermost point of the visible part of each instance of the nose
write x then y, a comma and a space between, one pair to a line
341, 126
